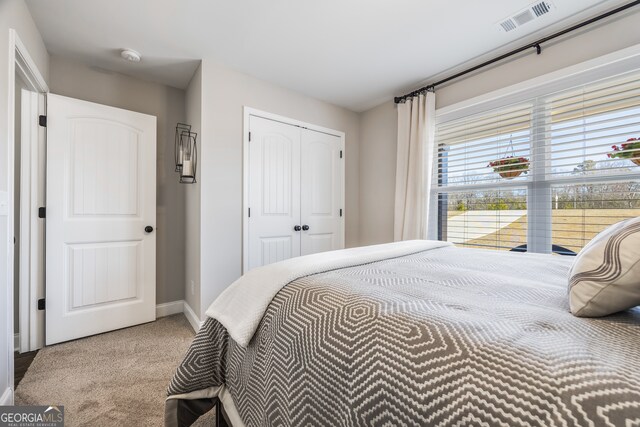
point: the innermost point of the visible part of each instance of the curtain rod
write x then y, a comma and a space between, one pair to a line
535, 45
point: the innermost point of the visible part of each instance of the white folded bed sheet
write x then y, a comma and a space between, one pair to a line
241, 306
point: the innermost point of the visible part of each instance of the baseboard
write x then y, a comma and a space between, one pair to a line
16, 342
175, 307
191, 317
7, 397
169, 308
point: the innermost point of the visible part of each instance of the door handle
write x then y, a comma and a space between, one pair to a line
148, 229
297, 228
305, 227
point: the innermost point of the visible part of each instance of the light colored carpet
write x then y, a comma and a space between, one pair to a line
114, 379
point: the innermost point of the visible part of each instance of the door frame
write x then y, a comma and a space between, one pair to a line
20, 62
247, 113
32, 228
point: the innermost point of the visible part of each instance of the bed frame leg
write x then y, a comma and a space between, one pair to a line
218, 414
221, 420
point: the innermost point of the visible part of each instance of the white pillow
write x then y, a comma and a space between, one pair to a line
605, 277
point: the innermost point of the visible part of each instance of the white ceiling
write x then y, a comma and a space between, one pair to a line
353, 53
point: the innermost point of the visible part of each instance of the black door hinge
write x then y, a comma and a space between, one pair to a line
340, 153
249, 136
42, 121
41, 304
42, 212
340, 212
249, 212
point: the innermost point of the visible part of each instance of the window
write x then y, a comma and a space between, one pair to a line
544, 175
486, 218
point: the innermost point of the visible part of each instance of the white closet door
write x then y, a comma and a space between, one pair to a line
274, 191
321, 192
101, 195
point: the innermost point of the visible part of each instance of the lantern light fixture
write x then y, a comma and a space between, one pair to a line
186, 153
179, 147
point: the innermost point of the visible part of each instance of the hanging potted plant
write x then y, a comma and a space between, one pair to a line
510, 167
627, 150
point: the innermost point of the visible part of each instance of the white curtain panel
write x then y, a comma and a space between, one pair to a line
414, 167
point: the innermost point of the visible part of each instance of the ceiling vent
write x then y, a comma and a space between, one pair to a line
530, 13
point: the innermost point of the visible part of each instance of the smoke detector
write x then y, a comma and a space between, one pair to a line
131, 55
530, 13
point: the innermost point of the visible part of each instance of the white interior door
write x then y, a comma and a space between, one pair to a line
101, 194
321, 199
274, 191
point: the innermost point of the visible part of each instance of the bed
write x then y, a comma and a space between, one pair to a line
415, 333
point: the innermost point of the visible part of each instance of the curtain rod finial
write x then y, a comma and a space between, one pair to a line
401, 99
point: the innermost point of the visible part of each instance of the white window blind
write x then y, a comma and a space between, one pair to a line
541, 175
466, 146
580, 126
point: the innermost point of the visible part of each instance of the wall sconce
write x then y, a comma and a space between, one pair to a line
186, 153
179, 148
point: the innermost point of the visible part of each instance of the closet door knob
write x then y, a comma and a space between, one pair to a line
148, 229
305, 227
297, 228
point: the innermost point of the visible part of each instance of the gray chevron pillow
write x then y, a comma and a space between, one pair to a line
605, 277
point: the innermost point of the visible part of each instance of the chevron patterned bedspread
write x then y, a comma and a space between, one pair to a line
446, 337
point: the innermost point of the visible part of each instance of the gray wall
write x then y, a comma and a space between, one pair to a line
80, 81
224, 93
378, 127
378, 131
192, 201
13, 14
